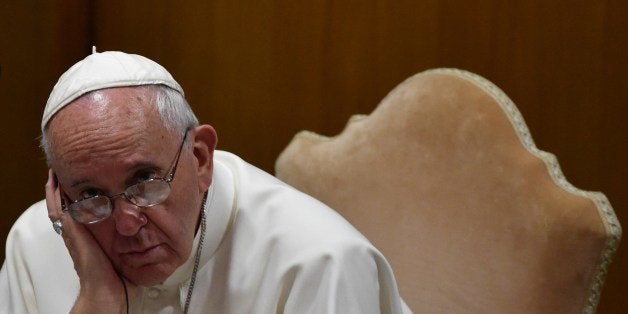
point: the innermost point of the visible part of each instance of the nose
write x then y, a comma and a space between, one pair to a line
128, 218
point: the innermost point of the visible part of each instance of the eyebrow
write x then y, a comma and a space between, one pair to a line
79, 182
132, 169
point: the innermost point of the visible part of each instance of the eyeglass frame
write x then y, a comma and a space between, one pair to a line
168, 178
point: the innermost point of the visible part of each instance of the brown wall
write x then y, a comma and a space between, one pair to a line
261, 71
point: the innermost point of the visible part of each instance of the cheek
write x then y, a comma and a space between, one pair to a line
185, 201
104, 233
178, 218
177, 223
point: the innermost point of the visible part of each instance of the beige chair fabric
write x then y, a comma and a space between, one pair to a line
444, 178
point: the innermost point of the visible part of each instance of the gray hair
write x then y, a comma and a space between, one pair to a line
174, 111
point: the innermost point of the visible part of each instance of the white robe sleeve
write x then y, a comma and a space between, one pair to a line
37, 275
16, 289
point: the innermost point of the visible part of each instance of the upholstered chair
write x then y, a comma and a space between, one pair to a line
444, 178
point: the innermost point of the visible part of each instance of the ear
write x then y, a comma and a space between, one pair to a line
205, 140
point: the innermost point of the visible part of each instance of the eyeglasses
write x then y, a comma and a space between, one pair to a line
143, 194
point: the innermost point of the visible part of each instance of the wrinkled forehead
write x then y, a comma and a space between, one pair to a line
120, 107
106, 122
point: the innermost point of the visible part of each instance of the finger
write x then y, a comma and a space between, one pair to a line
53, 202
53, 197
83, 248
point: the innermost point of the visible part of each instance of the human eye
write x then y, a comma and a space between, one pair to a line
144, 175
89, 193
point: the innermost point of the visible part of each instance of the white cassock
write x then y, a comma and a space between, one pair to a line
268, 249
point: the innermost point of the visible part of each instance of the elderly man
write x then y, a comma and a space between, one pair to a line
152, 219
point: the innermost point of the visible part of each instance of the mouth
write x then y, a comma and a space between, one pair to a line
144, 256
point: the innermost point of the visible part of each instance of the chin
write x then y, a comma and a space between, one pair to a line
146, 277
149, 275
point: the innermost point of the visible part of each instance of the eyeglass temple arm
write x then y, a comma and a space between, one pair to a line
176, 162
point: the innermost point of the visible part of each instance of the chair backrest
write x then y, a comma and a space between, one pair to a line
444, 178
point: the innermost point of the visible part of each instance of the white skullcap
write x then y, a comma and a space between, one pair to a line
103, 70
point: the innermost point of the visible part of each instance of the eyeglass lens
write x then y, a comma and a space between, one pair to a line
148, 193
90, 210
143, 194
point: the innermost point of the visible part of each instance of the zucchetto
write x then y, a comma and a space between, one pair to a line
104, 70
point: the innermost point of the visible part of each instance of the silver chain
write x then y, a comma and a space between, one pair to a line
197, 257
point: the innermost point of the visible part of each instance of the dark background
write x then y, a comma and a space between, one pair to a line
260, 71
